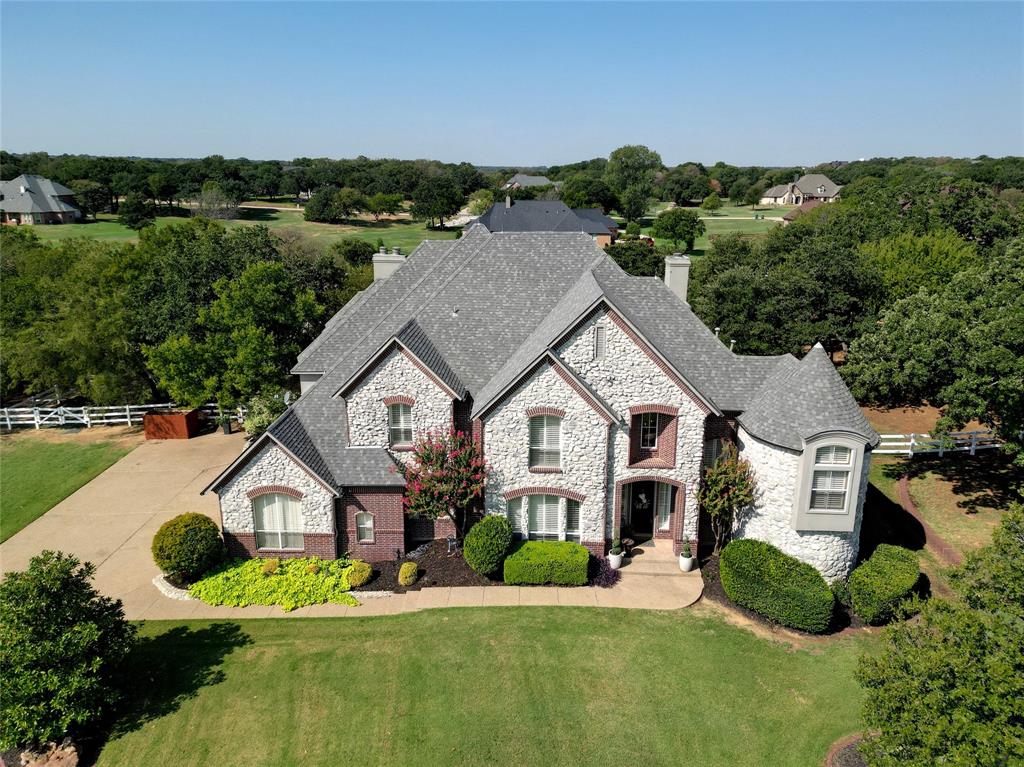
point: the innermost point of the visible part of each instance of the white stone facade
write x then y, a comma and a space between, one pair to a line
272, 466
395, 375
777, 472
595, 455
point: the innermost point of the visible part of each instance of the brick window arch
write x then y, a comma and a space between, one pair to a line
652, 436
264, 489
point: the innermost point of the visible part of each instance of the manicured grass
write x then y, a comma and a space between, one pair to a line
403, 233
37, 475
484, 686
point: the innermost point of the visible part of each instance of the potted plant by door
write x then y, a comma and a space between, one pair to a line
224, 421
686, 558
615, 555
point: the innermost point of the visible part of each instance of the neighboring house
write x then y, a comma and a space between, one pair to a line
548, 216
813, 186
598, 398
802, 208
522, 180
30, 199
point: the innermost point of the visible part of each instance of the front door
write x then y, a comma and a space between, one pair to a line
640, 517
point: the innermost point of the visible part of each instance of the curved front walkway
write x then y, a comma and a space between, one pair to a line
111, 522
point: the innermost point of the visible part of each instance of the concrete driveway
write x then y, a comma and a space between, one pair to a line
111, 520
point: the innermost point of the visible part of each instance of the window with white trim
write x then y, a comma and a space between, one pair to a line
364, 527
544, 513
830, 481
515, 515
400, 425
545, 441
278, 521
649, 431
572, 521
663, 504
600, 342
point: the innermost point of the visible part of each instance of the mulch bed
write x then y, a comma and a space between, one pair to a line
437, 568
844, 753
842, 619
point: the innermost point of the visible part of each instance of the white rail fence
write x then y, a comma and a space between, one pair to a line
954, 442
39, 417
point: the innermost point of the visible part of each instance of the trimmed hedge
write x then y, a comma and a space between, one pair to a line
408, 573
881, 584
187, 545
563, 563
487, 543
783, 589
359, 573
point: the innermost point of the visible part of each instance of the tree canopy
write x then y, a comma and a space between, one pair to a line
679, 225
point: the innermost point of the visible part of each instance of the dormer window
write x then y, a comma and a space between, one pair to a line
830, 473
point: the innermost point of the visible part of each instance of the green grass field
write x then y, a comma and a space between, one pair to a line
484, 686
35, 476
402, 234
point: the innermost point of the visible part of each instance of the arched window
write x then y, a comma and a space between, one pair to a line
364, 527
829, 484
545, 442
400, 424
278, 521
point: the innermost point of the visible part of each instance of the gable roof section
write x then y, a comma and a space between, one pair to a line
809, 183
776, 191
597, 216
802, 399
40, 196
525, 179
538, 216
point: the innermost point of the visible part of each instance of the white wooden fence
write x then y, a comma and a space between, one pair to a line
38, 417
954, 442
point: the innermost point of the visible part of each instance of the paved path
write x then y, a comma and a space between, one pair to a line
111, 522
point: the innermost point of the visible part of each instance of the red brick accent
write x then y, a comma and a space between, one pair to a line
424, 529
264, 489
321, 545
399, 399
544, 470
534, 411
663, 455
663, 409
385, 504
597, 548
462, 414
584, 394
719, 426
678, 513
657, 360
478, 434
572, 495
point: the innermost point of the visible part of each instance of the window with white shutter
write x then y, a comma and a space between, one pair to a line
830, 480
543, 517
545, 442
400, 425
278, 521
600, 342
572, 521
515, 515
828, 490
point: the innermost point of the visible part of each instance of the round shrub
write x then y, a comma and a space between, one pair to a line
761, 578
359, 573
487, 543
408, 573
187, 546
881, 584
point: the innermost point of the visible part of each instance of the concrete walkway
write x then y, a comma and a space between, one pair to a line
111, 522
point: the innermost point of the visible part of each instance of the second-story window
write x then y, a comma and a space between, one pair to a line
546, 441
600, 342
400, 425
649, 431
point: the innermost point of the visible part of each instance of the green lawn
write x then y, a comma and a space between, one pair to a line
484, 686
402, 234
37, 475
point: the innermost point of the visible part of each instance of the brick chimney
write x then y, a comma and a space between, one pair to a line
385, 264
677, 274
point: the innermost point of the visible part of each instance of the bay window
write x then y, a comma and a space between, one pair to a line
828, 483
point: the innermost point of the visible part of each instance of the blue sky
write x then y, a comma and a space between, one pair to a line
523, 83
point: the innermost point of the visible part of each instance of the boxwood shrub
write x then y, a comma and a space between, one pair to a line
487, 543
881, 584
761, 578
187, 545
563, 563
359, 573
408, 573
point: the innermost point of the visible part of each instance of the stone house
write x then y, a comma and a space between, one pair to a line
812, 186
30, 199
597, 397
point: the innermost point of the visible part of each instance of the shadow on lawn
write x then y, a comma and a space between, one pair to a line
166, 670
886, 521
988, 480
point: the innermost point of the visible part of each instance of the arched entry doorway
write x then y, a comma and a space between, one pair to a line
648, 507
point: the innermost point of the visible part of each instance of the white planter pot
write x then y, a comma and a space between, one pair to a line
615, 560
687, 563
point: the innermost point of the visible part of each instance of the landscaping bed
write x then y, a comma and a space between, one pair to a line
437, 568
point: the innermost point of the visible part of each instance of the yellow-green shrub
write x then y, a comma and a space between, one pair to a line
243, 582
359, 573
408, 573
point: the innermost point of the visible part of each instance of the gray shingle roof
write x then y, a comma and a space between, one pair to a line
482, 310
40, 196
777, 191
802, 399
538, 216
809, 184
525, 179
597, 216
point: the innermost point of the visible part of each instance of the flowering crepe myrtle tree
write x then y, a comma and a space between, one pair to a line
728, 489
446, 474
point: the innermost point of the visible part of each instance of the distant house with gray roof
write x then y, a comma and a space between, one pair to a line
598, 400
524, 180
812, 186
30, 199
548, 216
